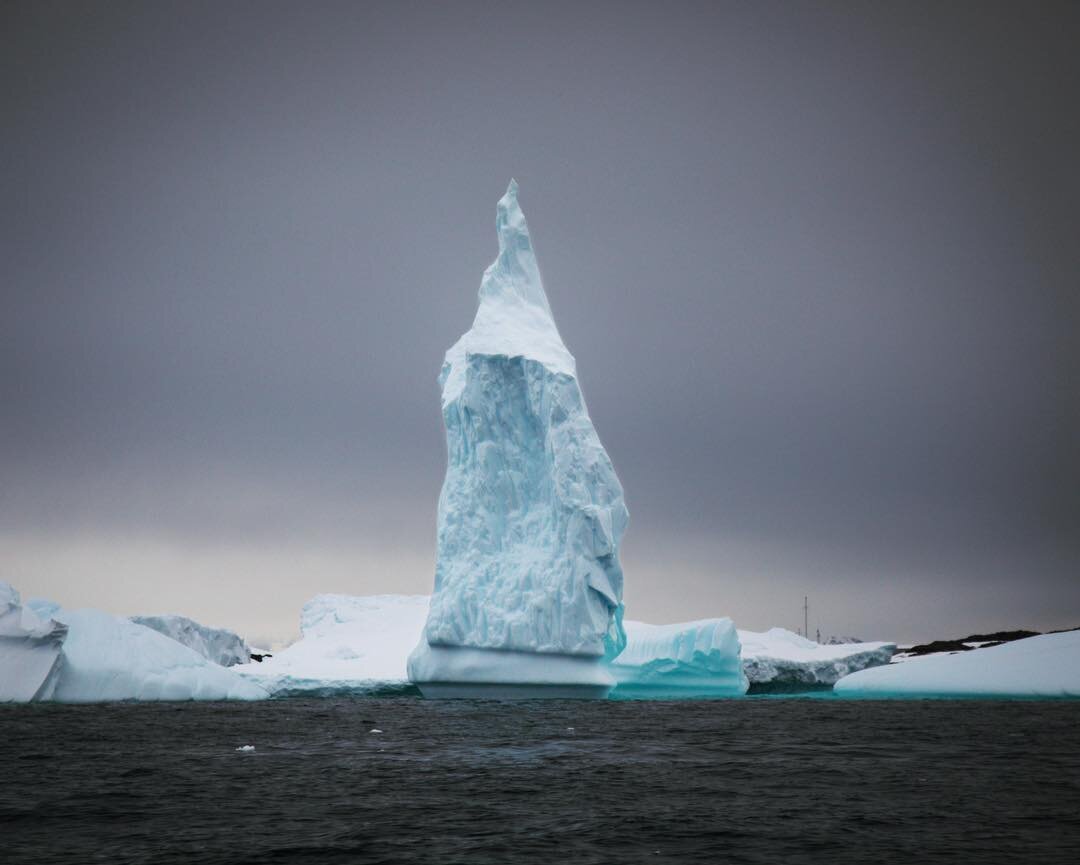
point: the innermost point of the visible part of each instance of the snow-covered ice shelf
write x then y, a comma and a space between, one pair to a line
779, 659
1043, 666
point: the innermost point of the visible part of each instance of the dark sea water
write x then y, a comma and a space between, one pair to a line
751, 780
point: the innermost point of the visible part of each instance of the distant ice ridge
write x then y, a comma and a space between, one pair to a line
689, 659
778, 658
97, 657
1042, 666
349, 645
528, 587
30, 648
215, 644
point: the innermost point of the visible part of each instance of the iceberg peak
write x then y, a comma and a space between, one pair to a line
514, 318
514, 275
528, 586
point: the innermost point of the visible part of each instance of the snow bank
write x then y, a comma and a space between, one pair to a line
780, 658
349, 645
1043, 666
215, 644
689, 659
30, 650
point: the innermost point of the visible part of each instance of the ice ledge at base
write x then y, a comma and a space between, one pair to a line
457, 671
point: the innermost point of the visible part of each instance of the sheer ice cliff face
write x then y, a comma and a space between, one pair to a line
215, 644
30, 650
779, 659
528, 587
1043, 666
689, 659
349, 645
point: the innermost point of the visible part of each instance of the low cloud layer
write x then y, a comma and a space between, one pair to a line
817, 266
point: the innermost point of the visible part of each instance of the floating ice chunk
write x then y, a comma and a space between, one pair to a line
779, 659
374, 730
349, 645
528, 587
215, 644
111, 658
30, 650
1043, 666
246, 748
688, 659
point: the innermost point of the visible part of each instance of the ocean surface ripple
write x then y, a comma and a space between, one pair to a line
397, 780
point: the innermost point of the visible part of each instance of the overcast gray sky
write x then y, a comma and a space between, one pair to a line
818, 264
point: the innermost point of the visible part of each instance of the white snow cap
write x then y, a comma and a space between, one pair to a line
1043, 666
514, 318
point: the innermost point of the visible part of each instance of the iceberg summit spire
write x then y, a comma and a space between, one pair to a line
528, 586
514, 317
515, 272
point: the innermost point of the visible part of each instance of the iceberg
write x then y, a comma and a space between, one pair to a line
215, 644
30, 650
349, 646
108, 658
689, 659
778, 659
1044, 666
86, 656
528, 587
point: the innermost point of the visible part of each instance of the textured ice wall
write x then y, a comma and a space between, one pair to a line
30, 650
531, 512
779, 658
682, 660
215, 644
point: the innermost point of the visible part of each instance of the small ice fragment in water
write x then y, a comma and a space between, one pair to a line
246, 748
569, 729
374, 730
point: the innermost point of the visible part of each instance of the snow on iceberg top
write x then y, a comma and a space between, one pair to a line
514, 318
369, 614
780, 643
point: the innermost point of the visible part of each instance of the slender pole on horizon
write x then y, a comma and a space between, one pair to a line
806, 616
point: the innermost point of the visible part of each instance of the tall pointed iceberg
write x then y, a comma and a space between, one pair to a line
528, 587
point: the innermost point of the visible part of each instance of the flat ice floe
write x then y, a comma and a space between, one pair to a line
348, 645
779, 658
1043, 666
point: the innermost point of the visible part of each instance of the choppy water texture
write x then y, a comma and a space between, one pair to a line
764, 781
